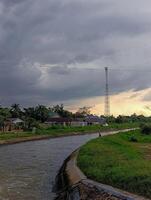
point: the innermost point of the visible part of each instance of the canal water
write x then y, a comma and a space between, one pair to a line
28, 170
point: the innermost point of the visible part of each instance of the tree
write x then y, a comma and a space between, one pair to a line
61, 111
110, 119
16, 111
4, 115
84, 111
5, 112
30, 112
30, 123
122, 119
41, 113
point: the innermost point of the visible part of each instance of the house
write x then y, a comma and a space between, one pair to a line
95, 120
53, 115
58, 121
16, 121
78, 122
13, 124
55, 119
65, 121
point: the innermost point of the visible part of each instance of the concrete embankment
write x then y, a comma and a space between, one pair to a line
74, 185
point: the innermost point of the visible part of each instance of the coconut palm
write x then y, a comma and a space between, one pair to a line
15, 110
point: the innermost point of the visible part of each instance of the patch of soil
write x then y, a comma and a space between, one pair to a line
86, 192
147, 151
89, 193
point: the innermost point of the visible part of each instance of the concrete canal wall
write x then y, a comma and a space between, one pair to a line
74, 185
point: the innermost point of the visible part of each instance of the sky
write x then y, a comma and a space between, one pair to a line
55, 51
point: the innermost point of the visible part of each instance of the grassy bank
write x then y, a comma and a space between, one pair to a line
61, 131
116, 160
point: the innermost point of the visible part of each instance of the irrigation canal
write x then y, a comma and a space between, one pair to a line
28, 170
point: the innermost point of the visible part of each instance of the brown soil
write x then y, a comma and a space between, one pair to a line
147, 151
89, 193
84, 192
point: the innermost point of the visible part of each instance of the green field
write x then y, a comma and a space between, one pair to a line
60, 131
116, 160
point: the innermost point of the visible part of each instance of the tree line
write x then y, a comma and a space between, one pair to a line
41, 113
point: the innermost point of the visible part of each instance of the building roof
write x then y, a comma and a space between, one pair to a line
78, 119
94, 118
16, 120
60, 119
53, 115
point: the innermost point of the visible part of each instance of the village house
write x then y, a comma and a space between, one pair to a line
13, 124
95, 120
58, 121
78, 122
55, 119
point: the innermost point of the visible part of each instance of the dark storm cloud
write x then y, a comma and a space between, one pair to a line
68, 37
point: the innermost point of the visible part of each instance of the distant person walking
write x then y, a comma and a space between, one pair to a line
100, 134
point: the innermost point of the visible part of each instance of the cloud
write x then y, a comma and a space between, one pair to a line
68, 37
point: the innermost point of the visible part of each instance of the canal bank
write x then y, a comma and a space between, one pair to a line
41, 137
45, 137
73, 184
42, 134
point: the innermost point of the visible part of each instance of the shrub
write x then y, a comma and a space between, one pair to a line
146, 129
56, 126
133, 139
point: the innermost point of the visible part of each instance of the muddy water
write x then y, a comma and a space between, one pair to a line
28, 170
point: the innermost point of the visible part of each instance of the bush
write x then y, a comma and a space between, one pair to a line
146, 129
56, 127
133, 139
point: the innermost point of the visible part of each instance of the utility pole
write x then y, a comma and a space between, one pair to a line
107, 101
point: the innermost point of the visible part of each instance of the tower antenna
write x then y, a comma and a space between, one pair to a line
107, 100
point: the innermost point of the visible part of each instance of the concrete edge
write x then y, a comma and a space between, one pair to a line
72, 170
75, 176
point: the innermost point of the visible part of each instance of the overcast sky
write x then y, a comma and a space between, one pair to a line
55, 51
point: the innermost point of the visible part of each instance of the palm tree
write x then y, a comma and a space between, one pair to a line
4, 115
16, 111
29, 112
41, 113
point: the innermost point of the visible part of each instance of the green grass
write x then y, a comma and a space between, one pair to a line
84, 129
60, 130
12, 135
116, 161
